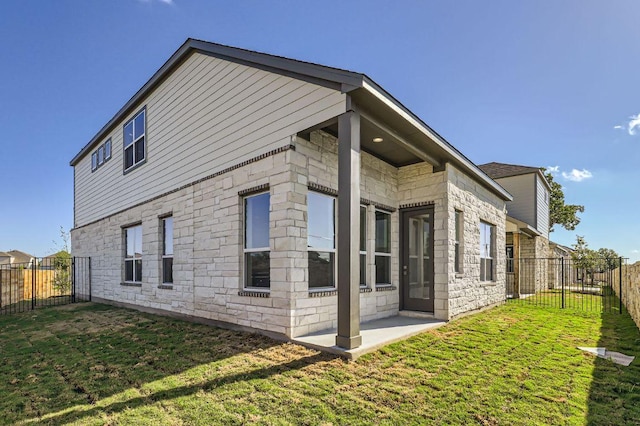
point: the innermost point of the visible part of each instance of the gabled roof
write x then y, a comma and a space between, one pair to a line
502, 170
20, 256
4, 254
345, 81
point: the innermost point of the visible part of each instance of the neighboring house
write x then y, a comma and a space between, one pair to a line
18, 259
527, 239
220, 191
5, 258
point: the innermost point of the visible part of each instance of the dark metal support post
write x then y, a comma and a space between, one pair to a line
33, 284
348, 229
89, 278
73, 280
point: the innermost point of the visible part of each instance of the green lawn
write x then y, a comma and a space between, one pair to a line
95, 364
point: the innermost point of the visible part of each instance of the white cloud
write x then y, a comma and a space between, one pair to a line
618, 127
554, 170
635, 251
169, 2
634, 124
577, 175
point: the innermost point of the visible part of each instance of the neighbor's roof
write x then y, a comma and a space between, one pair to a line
502, 170
339, 79
4, 254
20, 256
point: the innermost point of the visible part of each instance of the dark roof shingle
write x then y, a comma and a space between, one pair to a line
502, 170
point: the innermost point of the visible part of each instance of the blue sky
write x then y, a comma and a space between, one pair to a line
540, 83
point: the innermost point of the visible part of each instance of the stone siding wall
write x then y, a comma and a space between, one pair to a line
466, 291
630, 289
208, 242
316, 162
207, 249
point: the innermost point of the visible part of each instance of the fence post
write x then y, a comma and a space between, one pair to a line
562, 265
89, 278
73, 280
33, 284
620, 283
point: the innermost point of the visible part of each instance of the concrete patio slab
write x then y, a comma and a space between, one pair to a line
375, 334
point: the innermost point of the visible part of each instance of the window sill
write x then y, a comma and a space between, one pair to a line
385, 287
323, 292
459, 275
166, 286
135, 166
131, 284
254, 293
366, 289
488, 283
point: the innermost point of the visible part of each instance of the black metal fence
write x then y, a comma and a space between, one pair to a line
44, 282
593, 284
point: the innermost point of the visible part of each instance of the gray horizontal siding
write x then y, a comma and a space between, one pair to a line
543, 207
523, 189
206, 116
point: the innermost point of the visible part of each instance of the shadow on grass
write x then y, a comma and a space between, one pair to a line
614, 395
74, 357
182, 391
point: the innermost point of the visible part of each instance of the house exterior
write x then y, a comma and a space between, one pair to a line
527, 239
5, 258
282, 196
16, 259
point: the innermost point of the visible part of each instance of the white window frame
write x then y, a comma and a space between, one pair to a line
487, 264
107, 150
134, 258
458, 242
166, 255
323, 250
135, 140
383, 254
364, 252
246, 250
101, 155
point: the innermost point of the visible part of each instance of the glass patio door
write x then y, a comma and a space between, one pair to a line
417, 260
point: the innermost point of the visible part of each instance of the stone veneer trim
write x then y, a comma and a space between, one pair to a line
195, 182
254, 190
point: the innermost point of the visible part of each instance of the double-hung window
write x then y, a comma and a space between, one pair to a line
459, 229
487, 251
133, 254
256, 241
383, 248
363, 246
321, 240
134, 141
167, 250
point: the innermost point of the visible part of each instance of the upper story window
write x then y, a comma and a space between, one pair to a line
134, 141
256, 241
321, 240
101, 155
487, 251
